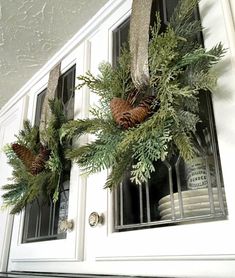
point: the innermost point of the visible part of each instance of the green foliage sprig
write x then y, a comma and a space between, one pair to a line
24, 187
179, 69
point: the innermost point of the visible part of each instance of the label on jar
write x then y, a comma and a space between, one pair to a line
196, 173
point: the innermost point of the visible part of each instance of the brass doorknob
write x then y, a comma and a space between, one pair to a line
95, 219
66, 225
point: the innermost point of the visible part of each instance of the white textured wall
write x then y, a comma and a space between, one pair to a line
32, 31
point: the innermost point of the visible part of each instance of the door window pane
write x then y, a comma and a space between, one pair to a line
42, 217
177, 191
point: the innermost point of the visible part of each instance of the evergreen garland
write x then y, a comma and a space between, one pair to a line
179, 69
25, 187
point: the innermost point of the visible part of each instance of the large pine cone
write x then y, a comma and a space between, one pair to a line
118, 106
24, 154
133, 117
38, 164
126, 116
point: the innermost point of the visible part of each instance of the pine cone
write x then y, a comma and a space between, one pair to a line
118, 106
133, 117
24, 154
138, 114
38, 164
126, 116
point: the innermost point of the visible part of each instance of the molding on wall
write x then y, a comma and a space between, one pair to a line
229, 18
209, 257
6, 242
6, 219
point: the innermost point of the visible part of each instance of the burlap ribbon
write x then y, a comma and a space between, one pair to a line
139, 39
50, 94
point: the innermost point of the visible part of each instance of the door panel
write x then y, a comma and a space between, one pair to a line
10, 123
59, 249
192, 239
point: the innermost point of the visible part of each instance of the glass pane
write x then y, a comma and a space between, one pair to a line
45, 214
66, 92
31, 217
63, 206
177, 191
38, 113
120, 38
42, 217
